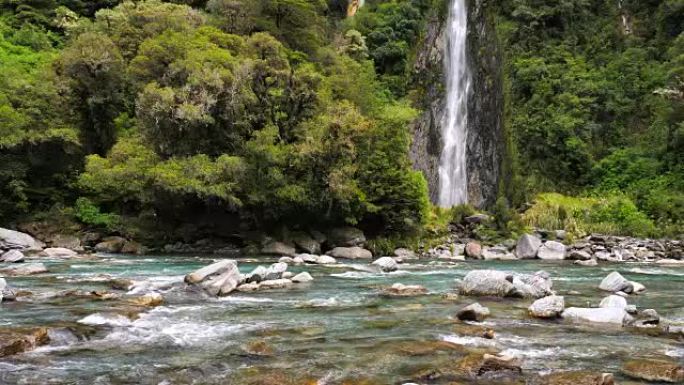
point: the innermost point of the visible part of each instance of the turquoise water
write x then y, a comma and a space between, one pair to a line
338, 328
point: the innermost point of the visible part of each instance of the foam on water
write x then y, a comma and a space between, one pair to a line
103, 319
470, 341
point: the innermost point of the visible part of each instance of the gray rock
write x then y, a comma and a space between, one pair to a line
527, 247
615, 282
278, 248
257, 275
275, 271
12, 256
548, 307
613, 315
477, 218
631, 309
24, 269
560, 234
535, 285
216, 268
473, 312
248, 287
61, 337
350, 253
579, 255
346, 237
10, 239
223, 283
302, 277
288, 260
386, 264
401, 290
589, 263
288, 275
647, 318
306, 243
325, 260
497, 253
551, 250
487, 283
614, 301
605, 256
58, 252
637, 287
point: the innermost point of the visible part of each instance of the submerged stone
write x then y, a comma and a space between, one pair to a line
654, 370
14, 341
473, 312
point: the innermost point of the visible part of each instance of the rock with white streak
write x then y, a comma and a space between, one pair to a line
615, 282
10, 239
386, 264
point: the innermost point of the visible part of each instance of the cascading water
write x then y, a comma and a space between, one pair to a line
453, 188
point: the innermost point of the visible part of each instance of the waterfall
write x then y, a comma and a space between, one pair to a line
453, 187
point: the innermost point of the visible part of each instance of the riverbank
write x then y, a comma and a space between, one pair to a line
344, 327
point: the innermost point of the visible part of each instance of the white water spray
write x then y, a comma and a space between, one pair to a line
453, 187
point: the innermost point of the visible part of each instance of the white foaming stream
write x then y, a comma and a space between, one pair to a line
453, 188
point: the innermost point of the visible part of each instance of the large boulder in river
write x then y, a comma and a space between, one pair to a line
346, 237
111, 245
473, 312
551, 250
613, 316
12, 256
24, 269
615, 282
58, 252
278, 248
502, 284
473, 250
275, 271
386, 264
350, 253
306, 243
527, 247
302, 277
10, 239
654, 370
219, 278
614, 301
535, 285
548, 307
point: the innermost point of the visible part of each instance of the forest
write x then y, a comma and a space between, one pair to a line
174, 120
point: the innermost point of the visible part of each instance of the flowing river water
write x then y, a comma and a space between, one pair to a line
336, 330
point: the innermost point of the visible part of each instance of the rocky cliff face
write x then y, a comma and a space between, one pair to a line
486, 142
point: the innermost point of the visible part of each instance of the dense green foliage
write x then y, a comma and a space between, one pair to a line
263, 110
596, 100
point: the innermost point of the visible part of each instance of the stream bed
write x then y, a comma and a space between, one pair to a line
338, 329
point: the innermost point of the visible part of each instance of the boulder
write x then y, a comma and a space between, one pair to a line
577, 378
325, 260
386, 264
401, 290
479, 364
12, 256
216, 268
302, 277
306, 243
614, 316
111, 245
527, 247
477, 218
587, 263
647, 318
614, 301
346, 237
551, 250
548, 307
579, 255
132, 247
24, 269
473, 312
278, 248
257, 275
275, 271
402, 254
473, 250
276, 284
654, 370
502, 284
58, 252
248, 287
535, 285
70, 242
288, 275
350, 253
10, 239
497, 253
637, 287
14, 341
224, 283
615, 282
